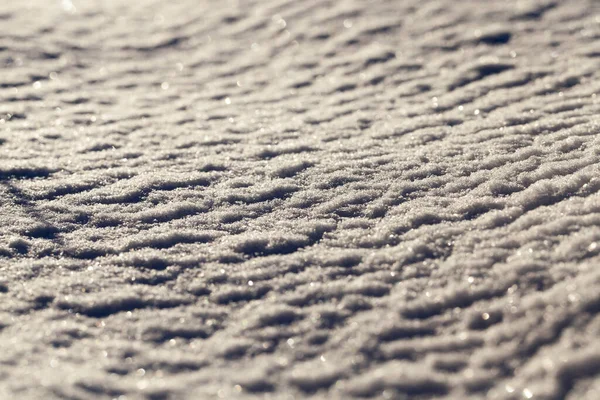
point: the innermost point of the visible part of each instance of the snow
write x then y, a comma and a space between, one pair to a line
334, 199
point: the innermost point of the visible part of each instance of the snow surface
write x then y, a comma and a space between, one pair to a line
290, 199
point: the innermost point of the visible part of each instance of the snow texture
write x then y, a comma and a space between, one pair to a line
291, 199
